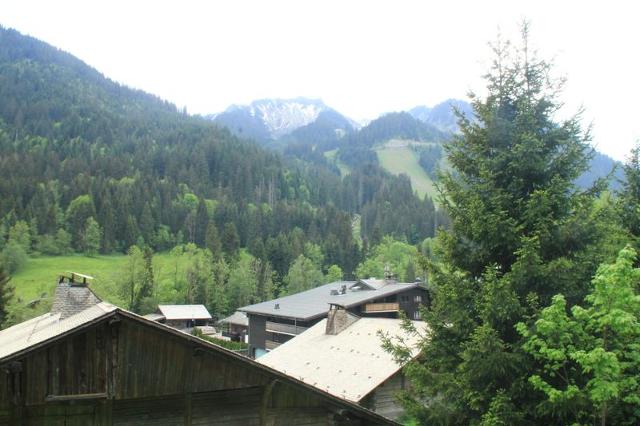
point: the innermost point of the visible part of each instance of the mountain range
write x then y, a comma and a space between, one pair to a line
74, 144
291, 124
272, 119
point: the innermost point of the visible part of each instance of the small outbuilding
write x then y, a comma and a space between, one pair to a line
235, 326
183, 317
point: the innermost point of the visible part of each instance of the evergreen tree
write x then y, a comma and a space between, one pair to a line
6, 294
201, 223
629, 196
108, 224
230, 241
218, 302
521, 232
212, 240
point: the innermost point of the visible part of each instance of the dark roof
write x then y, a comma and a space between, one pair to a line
314, 303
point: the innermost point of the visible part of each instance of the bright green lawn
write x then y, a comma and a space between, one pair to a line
397, 157
38, 278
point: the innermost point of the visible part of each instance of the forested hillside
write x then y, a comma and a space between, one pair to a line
92, 166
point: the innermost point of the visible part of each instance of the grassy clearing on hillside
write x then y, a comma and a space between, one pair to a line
332, 156
398, 157
38, 278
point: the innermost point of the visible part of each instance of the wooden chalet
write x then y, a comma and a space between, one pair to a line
91, 363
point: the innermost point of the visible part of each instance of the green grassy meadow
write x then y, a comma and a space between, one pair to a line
397, 157
332, 156
38, 278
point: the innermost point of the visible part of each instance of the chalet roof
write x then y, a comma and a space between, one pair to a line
348, 365
237, 318
30, 335
46, 327
313, 303
184, 312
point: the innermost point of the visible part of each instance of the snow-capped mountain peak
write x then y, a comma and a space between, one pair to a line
282, 116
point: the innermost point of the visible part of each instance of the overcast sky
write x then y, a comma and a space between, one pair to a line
362, 58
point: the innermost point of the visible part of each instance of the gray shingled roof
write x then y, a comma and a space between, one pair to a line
71, 298
184, 312
349, 364
315, 302
238, 318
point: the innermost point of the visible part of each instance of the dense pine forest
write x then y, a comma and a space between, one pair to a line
91, 166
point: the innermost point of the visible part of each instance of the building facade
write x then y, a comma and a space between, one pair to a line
277, 321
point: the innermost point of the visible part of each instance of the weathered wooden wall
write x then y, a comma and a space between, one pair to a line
383, 400
129, 373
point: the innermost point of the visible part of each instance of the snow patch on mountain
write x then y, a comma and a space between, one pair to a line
282, 116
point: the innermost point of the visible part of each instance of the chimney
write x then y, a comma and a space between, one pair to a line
388, 275
73, 295
338, 319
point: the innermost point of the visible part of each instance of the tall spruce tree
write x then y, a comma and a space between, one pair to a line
629, 196
521, 232
6, 293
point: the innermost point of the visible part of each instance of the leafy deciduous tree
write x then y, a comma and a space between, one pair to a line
589, 359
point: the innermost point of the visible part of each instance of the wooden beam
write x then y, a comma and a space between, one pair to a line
76, 397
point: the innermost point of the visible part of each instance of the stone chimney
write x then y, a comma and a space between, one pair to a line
73, 295
338, 319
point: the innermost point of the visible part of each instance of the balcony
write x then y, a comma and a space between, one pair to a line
371, 308
290, 329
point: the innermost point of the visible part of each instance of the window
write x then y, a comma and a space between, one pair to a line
417, 298
416, 315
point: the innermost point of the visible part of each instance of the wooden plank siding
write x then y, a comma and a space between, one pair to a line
384, 399
125, 372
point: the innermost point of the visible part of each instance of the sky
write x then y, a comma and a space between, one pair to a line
363, 58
